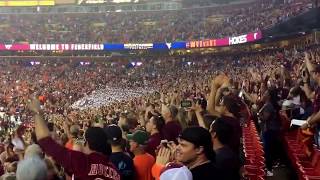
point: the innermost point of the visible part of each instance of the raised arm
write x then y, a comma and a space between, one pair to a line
308, 62
67, 158
216, 84
41, 128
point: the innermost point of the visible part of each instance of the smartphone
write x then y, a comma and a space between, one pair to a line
269, 83
164, 143
241, 93
186, 104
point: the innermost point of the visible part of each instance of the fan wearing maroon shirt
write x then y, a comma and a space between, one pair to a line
228, 107
154, 127
91, 165
172, 127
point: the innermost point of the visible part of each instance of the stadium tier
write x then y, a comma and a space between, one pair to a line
219, 92
146, 27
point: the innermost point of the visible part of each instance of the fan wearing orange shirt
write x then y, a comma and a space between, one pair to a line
73, 135
143, 161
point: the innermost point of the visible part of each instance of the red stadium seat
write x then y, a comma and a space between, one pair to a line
254, 154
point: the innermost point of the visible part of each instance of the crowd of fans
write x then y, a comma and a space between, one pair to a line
180, 117
146, 27
156, 117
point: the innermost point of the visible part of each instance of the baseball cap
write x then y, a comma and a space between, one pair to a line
176, 173
114, 133
196, 135
199, 136
97, 140
33, 150
32, 168
287, 104
140, 137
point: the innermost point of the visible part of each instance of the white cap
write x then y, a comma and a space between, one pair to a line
182, 173
32, 168
287, 104
33, 150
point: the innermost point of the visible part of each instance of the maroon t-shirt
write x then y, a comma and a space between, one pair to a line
171, 131
153, 142
84, 167
234, 142
316, 102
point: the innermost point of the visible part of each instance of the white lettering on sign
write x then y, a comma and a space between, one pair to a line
238, 40
8, 46
65, 47
32, 46
138, 46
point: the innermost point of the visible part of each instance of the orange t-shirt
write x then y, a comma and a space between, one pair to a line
143, 164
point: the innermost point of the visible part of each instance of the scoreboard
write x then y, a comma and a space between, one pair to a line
24, 3
57, 2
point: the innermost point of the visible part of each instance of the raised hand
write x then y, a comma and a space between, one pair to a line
34, 105
306, 56
219, 81
163, 156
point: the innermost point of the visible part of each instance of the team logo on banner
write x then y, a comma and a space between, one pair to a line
8, 46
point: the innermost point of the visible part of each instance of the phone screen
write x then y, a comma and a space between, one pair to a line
186, 104
240, 94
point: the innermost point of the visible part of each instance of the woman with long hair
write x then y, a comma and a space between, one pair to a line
270, 127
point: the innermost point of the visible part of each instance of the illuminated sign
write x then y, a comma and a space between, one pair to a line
66, 47
14, 47
251, 37
201, 43
27, 3
138, 46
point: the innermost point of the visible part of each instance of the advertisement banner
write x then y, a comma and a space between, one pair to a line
25, 3
138, 46
59, 2
14, 47
66, 47
251, 37
168, 46
178, 45
162, 46
152, 46
201, 43
113, 47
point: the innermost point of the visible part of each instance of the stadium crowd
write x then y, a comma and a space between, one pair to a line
147, 27
166, 117
155, 117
